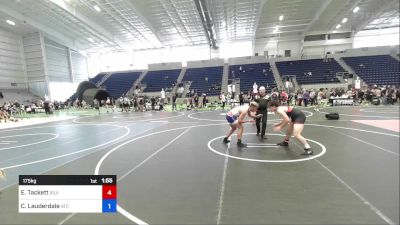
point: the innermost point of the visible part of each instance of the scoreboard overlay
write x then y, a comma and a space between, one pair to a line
67, 194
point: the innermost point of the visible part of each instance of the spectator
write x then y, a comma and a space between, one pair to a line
204, 101
223, 100
153, 102
299, 98
196, 100
284, 98
126, 103
47, 107
306, 98
241, 98
174, 102
96, 105
312, 97
255, 90
109, 104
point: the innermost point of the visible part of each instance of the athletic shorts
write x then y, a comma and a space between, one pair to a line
231, 119
298, 117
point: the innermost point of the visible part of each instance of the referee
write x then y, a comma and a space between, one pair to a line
262, 99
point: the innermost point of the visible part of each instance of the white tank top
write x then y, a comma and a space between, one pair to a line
236, 111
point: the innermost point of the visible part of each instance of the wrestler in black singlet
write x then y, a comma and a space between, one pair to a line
296, 115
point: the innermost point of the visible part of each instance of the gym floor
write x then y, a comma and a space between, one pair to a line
173, 168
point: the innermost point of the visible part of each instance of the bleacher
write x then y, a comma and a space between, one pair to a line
205, 80
20, 95
156, 80
260, 73
377, 69
97, 78
311, 71
119, 83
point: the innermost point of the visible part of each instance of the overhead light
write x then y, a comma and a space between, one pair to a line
338, 26
275, 31
91, 40
97, 8
280, 17
335, 31
10, 22
277, 27
344, 20
355, 10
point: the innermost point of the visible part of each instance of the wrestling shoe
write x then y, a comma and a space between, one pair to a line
283, 143
307, 151
263, 137
226, 140
240, 144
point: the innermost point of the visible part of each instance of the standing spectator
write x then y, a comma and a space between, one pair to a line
299, 98
377, 93
306, 97
196, 100
121, 102
233, 91
223, 100
312, 97
241, 98
274, 96
96, 105
204, 101
162, 100
135, 103
126, 103
46, 107
141, 104
180, 91
255, 91
153, 102
136, 91
190, 103
109, 104
360, 96
162, 93
284, 98
174, 102
393, 95
320, 96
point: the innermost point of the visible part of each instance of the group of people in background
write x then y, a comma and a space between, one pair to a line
303, 97
384, 95
314, 97
10, 109
136, 103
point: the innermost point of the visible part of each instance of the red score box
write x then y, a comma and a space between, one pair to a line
109, 191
